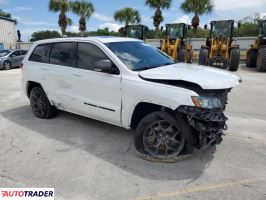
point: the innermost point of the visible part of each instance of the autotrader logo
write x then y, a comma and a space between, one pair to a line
26, 193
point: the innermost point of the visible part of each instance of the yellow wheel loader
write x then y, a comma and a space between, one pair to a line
175, 43
134, 31
219, 50
256, 54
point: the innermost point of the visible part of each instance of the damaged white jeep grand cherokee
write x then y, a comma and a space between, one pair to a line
174, 107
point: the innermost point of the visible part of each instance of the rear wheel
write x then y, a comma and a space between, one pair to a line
40, 104
203, 57
7, 65
160, 135
252, 58
181, 55
261, 60
234, 59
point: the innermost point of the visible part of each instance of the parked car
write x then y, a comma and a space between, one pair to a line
11, 58
174, 107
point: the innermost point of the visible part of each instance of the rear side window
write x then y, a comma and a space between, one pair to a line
88, 54
23, 52
41, 53
63, 54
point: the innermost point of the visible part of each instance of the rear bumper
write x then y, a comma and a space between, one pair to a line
208, 124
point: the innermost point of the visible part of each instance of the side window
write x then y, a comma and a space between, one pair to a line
41, 53
23, 52
88, 54
63, 53
15, 53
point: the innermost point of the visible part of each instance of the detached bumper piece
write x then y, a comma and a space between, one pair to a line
209, 124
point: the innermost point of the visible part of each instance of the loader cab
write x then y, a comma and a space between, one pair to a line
263, 29
174, 31
222, 29
137, 31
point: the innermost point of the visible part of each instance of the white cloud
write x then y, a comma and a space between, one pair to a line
101, 17
222, 5
111, 26
3, 1
32, 22
73, 28
19, 8
184, 19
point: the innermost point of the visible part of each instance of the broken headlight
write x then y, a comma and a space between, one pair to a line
206, 102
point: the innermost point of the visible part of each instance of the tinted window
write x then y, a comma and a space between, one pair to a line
87, 55
15, 53
63, 54
23, 52
41, 53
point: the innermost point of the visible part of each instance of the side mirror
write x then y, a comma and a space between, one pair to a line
238, 24
188, 27
161, 28
104, 65
205, 26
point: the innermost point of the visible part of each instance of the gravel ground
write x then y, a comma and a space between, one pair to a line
87, 159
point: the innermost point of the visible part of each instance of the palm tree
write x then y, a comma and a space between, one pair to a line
63, 7
127, 15
84, 9
198, 7
158, 5
5, 14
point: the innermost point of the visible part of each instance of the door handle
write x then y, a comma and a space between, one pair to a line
77, 74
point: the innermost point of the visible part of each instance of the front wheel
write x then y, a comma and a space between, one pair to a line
261, 60
203, 57
234, 59
181, 55
7, 65
40, 104
160, 135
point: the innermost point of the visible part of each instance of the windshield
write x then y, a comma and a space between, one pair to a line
175, 31
221, 29
139, 56
4, 52
134, 32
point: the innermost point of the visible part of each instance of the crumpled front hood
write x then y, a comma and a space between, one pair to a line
205, 77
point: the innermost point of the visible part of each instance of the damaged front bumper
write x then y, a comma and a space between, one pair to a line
208, 124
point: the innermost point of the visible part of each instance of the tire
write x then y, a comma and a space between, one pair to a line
203, 57
40, 104
169, 139
234, 60
261, 60
252, 59
181, 55
7, 65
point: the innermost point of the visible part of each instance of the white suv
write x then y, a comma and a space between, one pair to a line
174, 107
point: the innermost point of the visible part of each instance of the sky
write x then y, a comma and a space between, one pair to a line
33, 15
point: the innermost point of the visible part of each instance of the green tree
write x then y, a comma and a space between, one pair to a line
158, 5
85, 10
248, 29
200, 33
127, 15
61, 6
5, 14
198, 7
41, 35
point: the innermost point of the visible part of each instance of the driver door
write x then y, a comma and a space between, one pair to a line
98, 94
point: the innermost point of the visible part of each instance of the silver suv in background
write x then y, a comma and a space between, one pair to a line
11, 58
